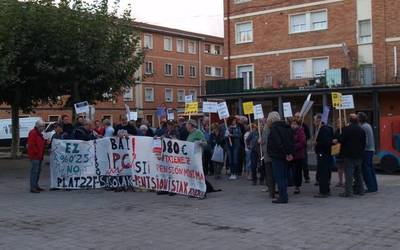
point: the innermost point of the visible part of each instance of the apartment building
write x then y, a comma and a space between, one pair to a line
177, 63
284, 50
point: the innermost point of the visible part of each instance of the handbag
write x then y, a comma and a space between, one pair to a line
218, 154
335, 149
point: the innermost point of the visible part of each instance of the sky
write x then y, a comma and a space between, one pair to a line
202, 16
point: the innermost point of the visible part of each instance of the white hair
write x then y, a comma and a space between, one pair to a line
143, 127
39, 123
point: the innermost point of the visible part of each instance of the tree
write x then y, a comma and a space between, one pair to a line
75, 49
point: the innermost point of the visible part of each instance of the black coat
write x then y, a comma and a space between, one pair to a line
353, 142
280, 141
131, 130
324, 140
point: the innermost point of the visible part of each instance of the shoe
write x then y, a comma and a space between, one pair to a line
321, 196
297, 191
307, 181
279, 201
345, 195
35, 191
231, 177
339, 185
368, 191
40, 189
264, 190
360, 194
316, 183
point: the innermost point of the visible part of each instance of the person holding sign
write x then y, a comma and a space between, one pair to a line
299, 152
253, 146
323, 144
36, 146
233, 135
280, 149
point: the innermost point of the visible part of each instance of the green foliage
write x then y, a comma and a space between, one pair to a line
73, 48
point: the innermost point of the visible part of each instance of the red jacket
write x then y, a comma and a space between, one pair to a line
36, 145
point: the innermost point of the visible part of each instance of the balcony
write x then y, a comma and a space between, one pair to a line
224, 86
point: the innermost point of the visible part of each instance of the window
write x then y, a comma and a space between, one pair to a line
309, 68
218, 72
181, 70
180, 45
241, 1
192, 47
168, 43
364, 31
149, 94
207, 48
53, 118
148, 41
217, 50
169, 95
168, 69
148, 68
193, 93
181, 95
208, 71
128, 95
246, 72
319, 20
192, 71
310, 21
299, 68
320, 65
244, 32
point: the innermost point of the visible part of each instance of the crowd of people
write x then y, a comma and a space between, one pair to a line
272, 152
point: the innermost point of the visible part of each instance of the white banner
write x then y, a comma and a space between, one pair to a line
210, 107
128, 162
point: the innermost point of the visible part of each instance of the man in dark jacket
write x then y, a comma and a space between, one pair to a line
323, 144
352, 149
280, 148
124, 127
84, 132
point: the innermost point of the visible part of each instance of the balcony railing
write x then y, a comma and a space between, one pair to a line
224, 86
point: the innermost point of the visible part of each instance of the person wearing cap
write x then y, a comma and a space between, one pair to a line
36, 147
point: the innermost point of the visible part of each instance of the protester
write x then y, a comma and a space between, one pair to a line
149, 131
195, 135
280, 149
160, 131
99, 129
208, 170
59, 133
252, 142
36, 147
307, 132
183, 133
234, 140
66, 126
108, 129
84, 132
79, 121
216, 138
269, 178
353, 142
124, 127
247, 151
241, 123
171, 132
323, 145
338, 159
299, 153
367, 165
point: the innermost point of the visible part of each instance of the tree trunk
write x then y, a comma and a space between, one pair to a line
15, 130
76, 97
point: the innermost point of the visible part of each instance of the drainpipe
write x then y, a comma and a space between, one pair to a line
229, 38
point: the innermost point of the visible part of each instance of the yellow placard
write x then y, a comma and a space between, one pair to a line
336, 99
248, 108
191, 108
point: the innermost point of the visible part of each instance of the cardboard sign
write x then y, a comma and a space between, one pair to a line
223, 111
347, 102
325, 115
336, 99
248, 108
170, 115
82, 107
191, 108
258, 112
210, 107
160, 111
132, 116
287, 110
188, 98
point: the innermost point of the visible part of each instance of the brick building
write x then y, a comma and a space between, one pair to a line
177, 63
283, 50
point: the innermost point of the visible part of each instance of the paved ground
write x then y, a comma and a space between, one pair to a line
240, 217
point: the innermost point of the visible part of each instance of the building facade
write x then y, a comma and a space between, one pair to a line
176, 63
284, 50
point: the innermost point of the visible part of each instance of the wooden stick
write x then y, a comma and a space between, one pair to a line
345, 117
340, 121
259, 137
226, 126
249, 119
